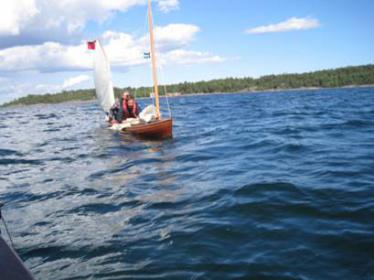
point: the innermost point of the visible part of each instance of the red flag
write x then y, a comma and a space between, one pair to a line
91, 45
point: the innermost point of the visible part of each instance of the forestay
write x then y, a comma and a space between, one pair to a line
103, 80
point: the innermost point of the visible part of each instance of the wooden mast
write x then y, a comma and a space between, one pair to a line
159, 129
154, 61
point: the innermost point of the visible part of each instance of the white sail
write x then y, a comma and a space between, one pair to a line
103, 80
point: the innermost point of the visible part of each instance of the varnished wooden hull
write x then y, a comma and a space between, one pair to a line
161, 129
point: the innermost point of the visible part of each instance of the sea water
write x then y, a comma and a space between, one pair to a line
253, 186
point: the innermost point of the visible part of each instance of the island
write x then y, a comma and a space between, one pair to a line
331, 78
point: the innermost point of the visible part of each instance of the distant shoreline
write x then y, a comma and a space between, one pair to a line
202, 94
345, 77
269, 91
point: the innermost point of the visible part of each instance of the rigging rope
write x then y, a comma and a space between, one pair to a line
7, 232
6, 227
143, 31
165, 91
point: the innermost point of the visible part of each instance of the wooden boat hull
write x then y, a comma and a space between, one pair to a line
161, 129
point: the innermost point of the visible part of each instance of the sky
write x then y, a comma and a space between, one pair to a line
43, 42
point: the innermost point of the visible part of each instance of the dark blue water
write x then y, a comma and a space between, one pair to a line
253, 186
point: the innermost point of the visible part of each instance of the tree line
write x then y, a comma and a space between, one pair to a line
347, 76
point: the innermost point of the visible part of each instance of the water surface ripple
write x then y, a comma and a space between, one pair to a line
253, 186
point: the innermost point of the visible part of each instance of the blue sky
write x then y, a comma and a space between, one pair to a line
42, 42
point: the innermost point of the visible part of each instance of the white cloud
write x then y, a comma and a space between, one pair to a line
168, 5
291, 24
191, 57
174, 35
124, 50
10, 89
48, 57
14, 14
28, 22
37, 21
73, 81
68, 83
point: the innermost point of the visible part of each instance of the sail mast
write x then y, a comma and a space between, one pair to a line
153, 58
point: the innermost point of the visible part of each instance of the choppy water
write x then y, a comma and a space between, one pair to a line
253, 186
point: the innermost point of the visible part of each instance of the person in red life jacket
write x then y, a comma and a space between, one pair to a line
122, 105
130, 108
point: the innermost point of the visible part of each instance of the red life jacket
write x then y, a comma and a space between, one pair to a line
127, 113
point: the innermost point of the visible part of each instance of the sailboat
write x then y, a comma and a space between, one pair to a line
158, 127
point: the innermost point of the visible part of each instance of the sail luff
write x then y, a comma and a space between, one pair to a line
103, 81
154, 60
